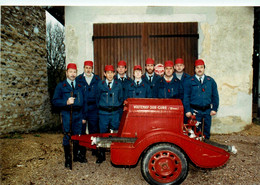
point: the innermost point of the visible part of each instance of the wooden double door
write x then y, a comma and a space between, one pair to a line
134, 42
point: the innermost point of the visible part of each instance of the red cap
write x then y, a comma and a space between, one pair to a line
88, 63
109, 68
137, 67
179, 61
149, 61
71, 66
121, 63
199, 62
168, 63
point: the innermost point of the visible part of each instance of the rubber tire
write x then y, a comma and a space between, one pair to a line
169, 148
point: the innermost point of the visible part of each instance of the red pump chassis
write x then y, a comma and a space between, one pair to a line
153, 130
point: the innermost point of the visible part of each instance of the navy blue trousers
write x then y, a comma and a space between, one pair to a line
76, 125
207, 121
92, 121
108, 121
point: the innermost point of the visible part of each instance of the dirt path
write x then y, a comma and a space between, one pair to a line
38, 159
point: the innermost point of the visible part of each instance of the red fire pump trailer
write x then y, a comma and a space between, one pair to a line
152, 130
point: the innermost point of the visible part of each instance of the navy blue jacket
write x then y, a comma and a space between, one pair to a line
199, 94
124, 84
167, 89
63, 93
91, 89
108, 98
156, 78
184, 77
143, 90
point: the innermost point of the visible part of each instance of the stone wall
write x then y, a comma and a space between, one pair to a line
24, 95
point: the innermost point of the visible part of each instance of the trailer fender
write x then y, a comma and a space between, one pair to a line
201, 154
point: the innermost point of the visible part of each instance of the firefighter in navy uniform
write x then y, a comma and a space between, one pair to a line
69, 97
167, 86
201, 96
125, 81
90, 82
180, 75
150, 77
138, 88
109, 101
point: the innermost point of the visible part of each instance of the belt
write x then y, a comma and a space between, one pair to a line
109, 109
73, 109
202, 108
92, 102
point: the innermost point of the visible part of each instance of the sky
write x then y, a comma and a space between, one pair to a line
133, 2
51, 19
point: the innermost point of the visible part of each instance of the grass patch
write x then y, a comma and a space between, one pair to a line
12, 136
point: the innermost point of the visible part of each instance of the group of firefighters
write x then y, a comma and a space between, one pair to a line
89, 103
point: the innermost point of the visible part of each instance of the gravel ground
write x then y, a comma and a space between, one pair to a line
38, 159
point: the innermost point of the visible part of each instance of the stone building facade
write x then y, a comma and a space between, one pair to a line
225, 43
25, 104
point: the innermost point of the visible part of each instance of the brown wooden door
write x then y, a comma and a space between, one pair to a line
134, 42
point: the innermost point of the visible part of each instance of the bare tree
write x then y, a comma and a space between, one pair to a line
55, 55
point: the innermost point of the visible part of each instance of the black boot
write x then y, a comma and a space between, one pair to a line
82, 155
101, 155
75, 151
68, 160
94, 152
79, 153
